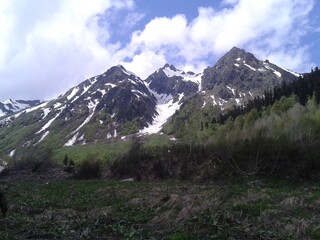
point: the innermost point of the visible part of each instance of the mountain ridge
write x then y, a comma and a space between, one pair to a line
118, 103
10, 106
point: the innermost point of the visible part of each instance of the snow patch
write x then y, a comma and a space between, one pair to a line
292, 72
2, 165
34, 108
213, 100
2, 113
14, 106
47, 125
57, 105
42, 137
165, 110
161, 97
267, 66
252, 68
92, 107
139, 93
73, 93
196, 78
222, 101
242, 94
86, 88
71, 141
45, 112
204, 104
132, 81
237, 65
103, 91
232, 90
238, 59
11, 154
277, 73
111, 85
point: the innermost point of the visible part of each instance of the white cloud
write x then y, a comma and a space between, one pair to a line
161, 32
272, 28
48, 46
145, 63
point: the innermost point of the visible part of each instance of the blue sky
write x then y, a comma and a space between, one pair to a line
49, 46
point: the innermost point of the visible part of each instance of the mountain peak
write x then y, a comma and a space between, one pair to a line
238, 54
241, 70
170, 66
236, 49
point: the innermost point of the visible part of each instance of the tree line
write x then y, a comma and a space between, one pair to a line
307, 86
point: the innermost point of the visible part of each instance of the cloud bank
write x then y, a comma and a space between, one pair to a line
49, 46
270, 29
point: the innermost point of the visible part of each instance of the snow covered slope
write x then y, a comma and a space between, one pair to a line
106, 106
11, 106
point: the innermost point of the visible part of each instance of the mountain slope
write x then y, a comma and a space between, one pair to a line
171, 87
236, 78
118, 103
115, 102
239, 76
11, 106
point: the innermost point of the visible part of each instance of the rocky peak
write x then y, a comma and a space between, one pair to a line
239, 75
243, 70
171, 81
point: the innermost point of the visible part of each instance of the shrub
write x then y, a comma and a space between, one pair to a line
90, 168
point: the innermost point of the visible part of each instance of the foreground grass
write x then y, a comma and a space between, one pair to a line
99, 209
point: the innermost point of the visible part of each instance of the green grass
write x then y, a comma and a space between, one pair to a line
102, 151
96, 209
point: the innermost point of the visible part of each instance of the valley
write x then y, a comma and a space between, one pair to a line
180, 155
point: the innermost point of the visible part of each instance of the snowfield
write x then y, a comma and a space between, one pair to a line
165, 111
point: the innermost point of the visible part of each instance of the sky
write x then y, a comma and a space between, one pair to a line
47, 47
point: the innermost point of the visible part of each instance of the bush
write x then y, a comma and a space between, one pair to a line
90, 168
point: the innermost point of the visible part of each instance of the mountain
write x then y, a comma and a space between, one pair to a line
11, 106
171, 87
239, 76
169, 81
118, 103
114, 103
